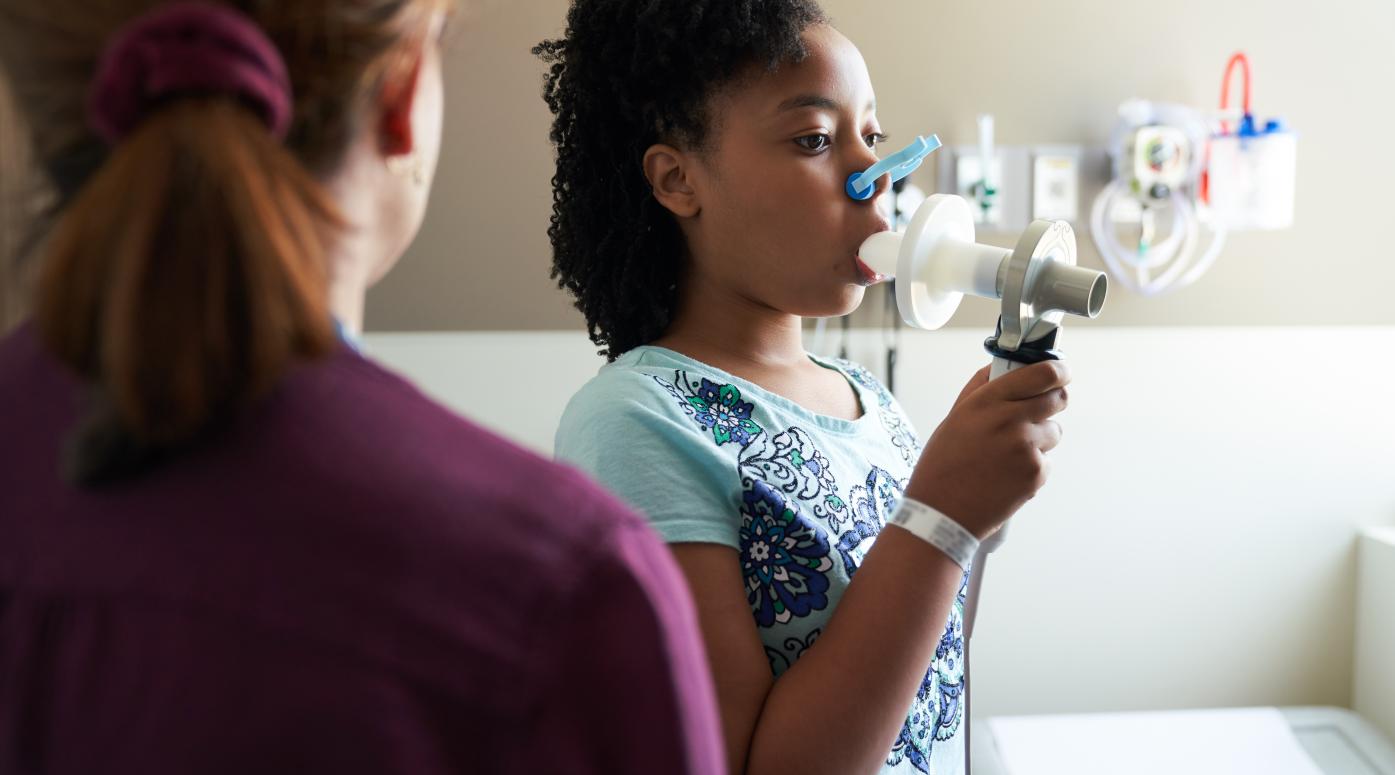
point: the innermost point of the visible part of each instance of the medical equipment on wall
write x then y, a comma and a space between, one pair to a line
1250, 176
984, 190
1182, 181
936, 261
999, 180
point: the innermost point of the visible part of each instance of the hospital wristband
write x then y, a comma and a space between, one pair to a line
936, 529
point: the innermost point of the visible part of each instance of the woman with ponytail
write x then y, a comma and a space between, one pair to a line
229, 543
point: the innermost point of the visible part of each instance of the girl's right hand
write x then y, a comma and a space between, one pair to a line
988, 457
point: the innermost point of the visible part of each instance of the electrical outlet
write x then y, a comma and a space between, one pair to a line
1056, 184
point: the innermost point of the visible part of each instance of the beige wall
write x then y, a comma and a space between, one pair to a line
1052, 72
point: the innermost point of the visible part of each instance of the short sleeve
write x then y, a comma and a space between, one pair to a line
631, 433
628, 690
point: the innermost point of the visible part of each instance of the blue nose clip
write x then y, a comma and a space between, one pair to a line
900, 164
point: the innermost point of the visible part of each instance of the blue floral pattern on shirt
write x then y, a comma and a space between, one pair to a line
784, 557
791, 462
721, 409
872, 502
793, 648
937, 712
787, 554
902, 436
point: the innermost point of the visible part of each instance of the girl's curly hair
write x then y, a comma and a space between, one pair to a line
628, 74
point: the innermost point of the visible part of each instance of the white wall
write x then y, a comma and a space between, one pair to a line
1196, 545
1374, 684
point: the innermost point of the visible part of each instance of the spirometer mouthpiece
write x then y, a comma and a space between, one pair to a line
879, 253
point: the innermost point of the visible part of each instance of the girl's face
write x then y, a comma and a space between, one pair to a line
773, 223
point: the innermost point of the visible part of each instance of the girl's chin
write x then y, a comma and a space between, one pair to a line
848, 300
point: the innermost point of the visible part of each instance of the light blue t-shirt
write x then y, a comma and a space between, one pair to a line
709, 457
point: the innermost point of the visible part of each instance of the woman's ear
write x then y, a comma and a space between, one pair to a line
395, 101
670, 174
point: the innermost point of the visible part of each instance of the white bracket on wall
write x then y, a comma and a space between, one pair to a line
1033, 182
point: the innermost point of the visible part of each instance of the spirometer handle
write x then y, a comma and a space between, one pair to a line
1002, 366
990, 544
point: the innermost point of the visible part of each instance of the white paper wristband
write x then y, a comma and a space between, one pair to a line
936, 529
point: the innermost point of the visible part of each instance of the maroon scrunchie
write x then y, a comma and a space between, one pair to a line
187, 48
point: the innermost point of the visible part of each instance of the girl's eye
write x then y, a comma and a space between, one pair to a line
813, 143
874, 139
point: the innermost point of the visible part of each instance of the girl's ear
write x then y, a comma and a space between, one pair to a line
670, 174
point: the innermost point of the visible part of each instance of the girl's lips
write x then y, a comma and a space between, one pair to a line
868, 276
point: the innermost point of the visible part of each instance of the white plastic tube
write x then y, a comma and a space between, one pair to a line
1177, 254
985, 151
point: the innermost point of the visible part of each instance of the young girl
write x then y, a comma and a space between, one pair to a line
699, 215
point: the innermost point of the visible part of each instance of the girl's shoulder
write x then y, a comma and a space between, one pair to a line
653, 387
859, 374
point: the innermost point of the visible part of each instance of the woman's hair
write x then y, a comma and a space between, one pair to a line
184, 267
626, 75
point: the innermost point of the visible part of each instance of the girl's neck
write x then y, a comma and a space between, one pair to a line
725, 329
717, 325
